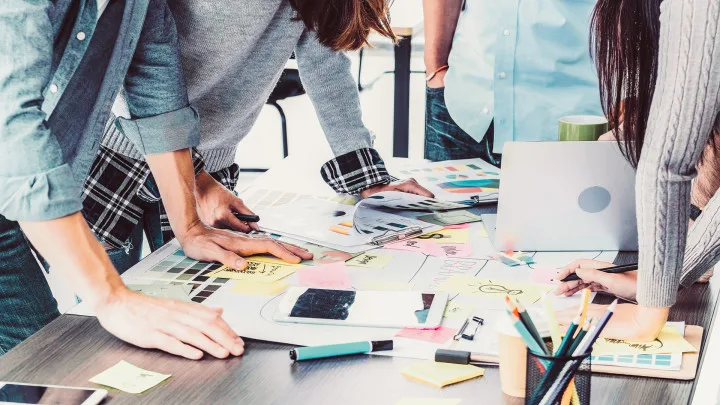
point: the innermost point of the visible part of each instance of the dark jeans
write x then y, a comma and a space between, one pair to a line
26, 302
129, 255
445, 140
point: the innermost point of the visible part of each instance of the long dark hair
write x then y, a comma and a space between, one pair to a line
625, 36
344, 24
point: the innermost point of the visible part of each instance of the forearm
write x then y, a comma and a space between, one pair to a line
71, 248
681, 118
441, 17
175, 177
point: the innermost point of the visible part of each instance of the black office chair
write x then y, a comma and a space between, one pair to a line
289, 85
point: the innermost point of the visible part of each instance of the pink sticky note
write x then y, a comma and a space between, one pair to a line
448, 249
544, 275
458, 226
439, 335
332, 275
410, 245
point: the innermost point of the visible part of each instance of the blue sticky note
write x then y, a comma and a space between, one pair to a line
662, 363
663, 357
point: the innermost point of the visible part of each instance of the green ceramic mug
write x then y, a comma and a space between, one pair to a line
582, 127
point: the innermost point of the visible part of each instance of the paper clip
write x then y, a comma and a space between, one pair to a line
469, 336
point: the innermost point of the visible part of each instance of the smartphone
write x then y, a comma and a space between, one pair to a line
18, 393
387, 309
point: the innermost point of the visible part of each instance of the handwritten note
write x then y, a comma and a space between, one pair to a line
251, 287
544, 275
410, 245
175, 292
447, 236
457, 310
493, 288
370, 261
439, 335
441, 374
669, 341
429, 401
126, 377
381, 285
264, 272
333, 275
447, 250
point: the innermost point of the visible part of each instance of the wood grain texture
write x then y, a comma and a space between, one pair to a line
72, 349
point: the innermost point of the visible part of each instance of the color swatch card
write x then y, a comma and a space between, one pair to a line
126, 377
351, 229
668, 362
441, 374
457, 180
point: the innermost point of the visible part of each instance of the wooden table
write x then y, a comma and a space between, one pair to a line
72, 349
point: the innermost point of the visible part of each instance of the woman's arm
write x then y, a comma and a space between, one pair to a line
681, 118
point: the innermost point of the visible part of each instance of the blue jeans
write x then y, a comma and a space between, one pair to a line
445, 140
26, 302
129, 255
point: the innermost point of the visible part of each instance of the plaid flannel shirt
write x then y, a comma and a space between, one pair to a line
116, 186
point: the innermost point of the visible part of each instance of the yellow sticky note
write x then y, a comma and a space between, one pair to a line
457, 310
429, 401
668, 342
370, 260
441, 374
264, 272
258, 287
380, 285
126, 377
465, 284
447, 236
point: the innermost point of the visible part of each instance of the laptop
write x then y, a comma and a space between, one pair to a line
564, 196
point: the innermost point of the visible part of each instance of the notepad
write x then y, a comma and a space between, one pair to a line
669, 341
261, 271
441, 374
259, 288
129, 378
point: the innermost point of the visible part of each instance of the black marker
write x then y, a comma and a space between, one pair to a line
463, 357
610, 270
247, 218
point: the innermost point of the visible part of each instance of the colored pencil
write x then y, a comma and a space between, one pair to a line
552, 322
531, 326
531, 343
584, 306
611, 270
568, 339
571, 367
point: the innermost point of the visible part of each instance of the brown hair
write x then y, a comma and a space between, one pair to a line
344, 25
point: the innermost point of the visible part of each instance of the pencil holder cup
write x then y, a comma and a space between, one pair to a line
512, 365
549, 379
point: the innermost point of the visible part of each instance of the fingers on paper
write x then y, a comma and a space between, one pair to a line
411, 186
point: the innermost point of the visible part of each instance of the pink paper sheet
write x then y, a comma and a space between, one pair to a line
332, 275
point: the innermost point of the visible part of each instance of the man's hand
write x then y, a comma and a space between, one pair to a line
181, 328
629, 321
217, 205
202, 242
408, 186
623, 285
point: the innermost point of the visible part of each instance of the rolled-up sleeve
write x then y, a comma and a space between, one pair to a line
36, 182
161, 117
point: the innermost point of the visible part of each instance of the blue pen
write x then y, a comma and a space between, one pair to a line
342, 349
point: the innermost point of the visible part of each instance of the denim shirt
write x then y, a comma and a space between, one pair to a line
40, 175
523, 64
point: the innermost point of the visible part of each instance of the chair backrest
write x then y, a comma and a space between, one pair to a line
289, 85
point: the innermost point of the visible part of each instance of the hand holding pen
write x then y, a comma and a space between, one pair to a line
620, 281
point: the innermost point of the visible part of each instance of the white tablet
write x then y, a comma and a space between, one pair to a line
388, 309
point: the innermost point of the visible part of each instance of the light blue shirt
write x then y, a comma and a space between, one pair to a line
523, 63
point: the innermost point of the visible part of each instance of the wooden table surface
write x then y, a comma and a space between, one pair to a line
72, 349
